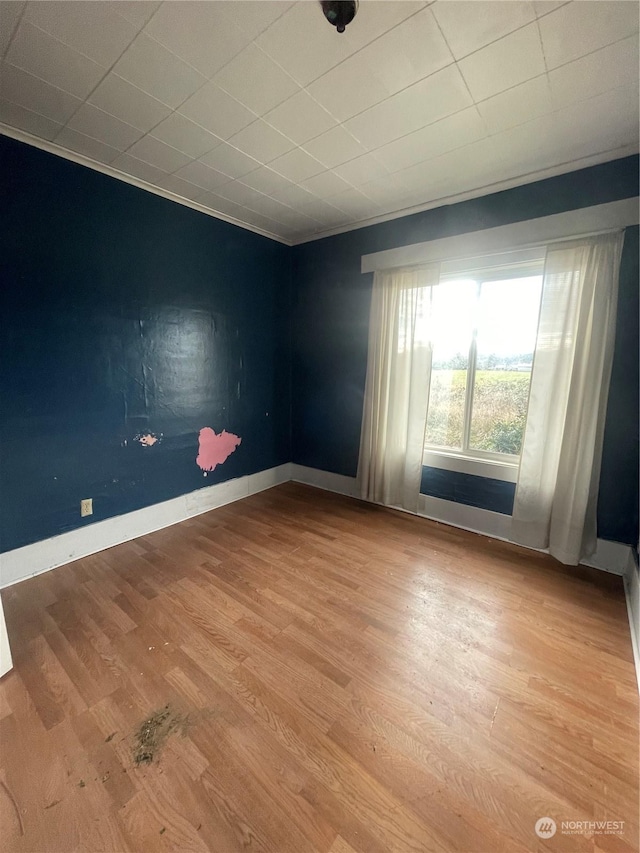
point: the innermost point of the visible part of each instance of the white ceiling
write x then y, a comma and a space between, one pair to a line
259, 111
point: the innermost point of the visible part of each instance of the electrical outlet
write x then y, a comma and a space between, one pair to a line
86, 507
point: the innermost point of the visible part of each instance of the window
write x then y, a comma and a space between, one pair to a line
484, 316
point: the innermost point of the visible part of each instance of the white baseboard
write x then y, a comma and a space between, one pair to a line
325, 480
483, 521
31, 560
632, 593
6, 661
458, 515
610, 557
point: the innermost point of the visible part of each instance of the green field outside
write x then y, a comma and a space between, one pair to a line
499, 409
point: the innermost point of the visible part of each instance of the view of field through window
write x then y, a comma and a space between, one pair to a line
484, 335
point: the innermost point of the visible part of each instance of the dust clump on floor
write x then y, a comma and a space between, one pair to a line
152, 734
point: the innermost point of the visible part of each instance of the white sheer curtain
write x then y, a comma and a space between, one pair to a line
556, 495
397, 387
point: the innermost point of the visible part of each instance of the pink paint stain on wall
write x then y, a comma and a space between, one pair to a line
214, 448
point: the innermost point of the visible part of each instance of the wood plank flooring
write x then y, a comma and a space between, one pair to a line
341, 679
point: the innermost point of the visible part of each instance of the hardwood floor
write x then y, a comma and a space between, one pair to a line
329, 677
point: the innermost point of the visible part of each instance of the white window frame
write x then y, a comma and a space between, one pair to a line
508, 265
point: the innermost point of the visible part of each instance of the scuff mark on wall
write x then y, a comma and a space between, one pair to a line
214, 448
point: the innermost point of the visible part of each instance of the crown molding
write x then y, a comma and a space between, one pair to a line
59, 151
479, 192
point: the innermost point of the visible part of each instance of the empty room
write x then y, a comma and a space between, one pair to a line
319, 433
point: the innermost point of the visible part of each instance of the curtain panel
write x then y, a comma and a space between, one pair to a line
556, 495
397, 387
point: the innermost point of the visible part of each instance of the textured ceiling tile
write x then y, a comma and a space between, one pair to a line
319, 210
373, 24
199, 33
86, 145
325, 185
297, 165
254, 16
518, 155
185, 135
223, 205
334, 147
503, 64
100, 125
16, 116
263, 222
294, 196
261, 141
608, 68
158, 154
468, 161
434, 98
388, 191
155, 70
445, 135
354, 203
228, 160
605, 121
240, 193
9, 16
128, 103
469, 25
300, 118
579, 28
216, 110
361, 169
201, 175
255, 80
518, 105
290, 42
543, 7
265, 180
139, 169
94, 29
284, 214
303, 43
180, 187
413, 50
137, 11
274, 209
350, 87
44, 56
35, 95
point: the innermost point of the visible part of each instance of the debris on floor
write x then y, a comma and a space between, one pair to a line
153, 732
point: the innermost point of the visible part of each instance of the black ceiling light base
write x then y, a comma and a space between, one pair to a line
339, 13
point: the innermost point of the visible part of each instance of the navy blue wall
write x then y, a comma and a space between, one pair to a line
330, 313
124, 312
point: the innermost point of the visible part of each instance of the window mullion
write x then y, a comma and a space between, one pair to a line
468, 400
471, 377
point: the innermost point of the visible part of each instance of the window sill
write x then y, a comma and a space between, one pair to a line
506, 471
